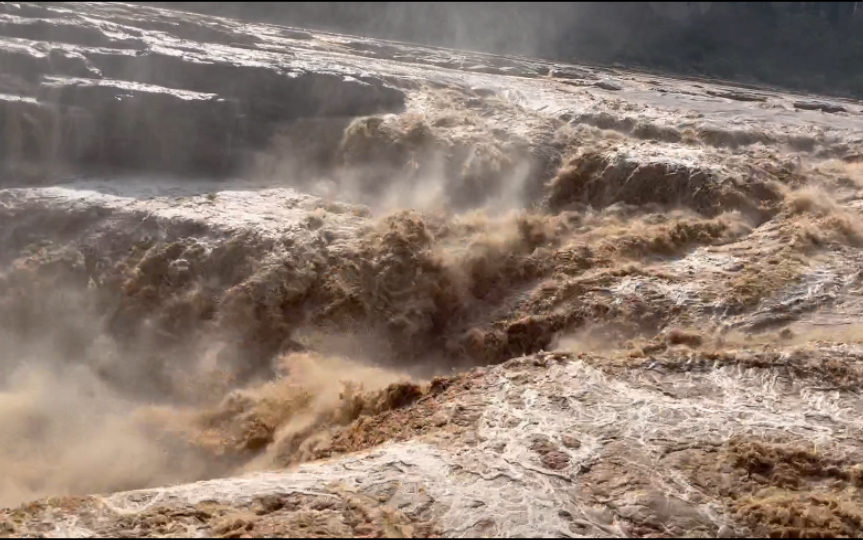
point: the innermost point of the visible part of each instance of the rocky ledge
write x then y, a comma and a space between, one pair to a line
87, 87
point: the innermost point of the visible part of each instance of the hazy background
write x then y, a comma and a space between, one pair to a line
814, 46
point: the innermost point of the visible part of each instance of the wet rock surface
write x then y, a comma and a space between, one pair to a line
151, 97
324, 285
822, 106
